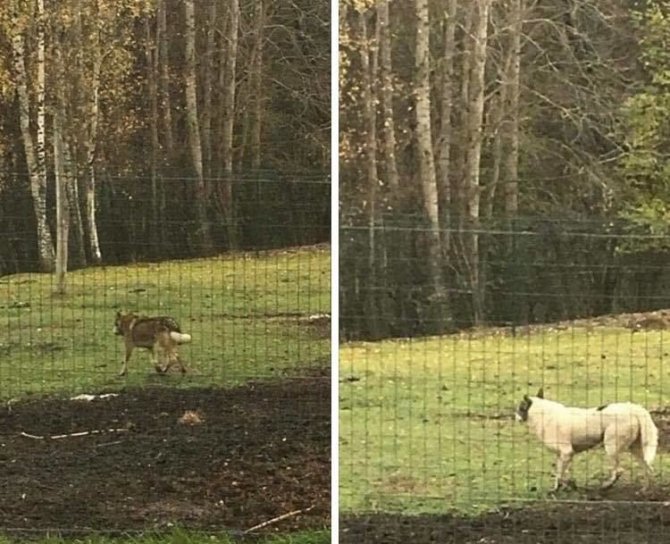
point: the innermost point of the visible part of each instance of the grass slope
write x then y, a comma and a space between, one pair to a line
426, 425
246, 313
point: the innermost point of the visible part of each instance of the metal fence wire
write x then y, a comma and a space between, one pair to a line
436, 361
239, 441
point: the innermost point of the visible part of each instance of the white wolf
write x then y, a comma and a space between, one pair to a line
566, 430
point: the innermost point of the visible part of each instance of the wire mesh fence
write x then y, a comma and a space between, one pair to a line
437, 358
221, 418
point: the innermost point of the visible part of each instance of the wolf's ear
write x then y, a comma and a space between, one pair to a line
540, 393
526, 398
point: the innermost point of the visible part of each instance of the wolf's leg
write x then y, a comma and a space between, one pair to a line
182, 368
612, 449
170, 354
562, 464
164, 346
648, 471
129, 352
615, 473
157, 354
567, 481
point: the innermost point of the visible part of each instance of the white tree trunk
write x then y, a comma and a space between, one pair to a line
444, 139
257, 85
458, 188
152, 78
511, 129
191, 93
369, 113
423, 114
91, 145
386, 85
227, 84
62, 209
35, 153
474, 131
424, 140
208, 70
163, 62
228, 87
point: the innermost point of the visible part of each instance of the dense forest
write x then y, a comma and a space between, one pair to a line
159, 128
502, 161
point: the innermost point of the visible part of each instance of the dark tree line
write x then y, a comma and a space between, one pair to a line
171, 127
501, 161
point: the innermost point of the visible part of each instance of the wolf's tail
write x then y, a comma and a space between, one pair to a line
648, 435
180, 337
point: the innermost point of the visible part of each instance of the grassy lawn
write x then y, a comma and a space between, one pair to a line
426, 425
246, 312
184, 537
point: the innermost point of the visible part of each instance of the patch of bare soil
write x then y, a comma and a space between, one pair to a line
253, 453
636, 322
617, 520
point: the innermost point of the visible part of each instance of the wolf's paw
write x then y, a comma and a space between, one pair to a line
571, 484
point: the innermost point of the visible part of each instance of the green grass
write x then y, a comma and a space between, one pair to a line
426, 425
245, 312
186, 537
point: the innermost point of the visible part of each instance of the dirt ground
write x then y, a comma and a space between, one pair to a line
248, 455
615, 522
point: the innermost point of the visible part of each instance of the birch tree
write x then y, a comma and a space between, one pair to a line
511, 126
227, 86
444, 141
164, 79
35, 149
386, 92
62, 208
424, 140
152, 59
369, 117
207, 87
91, 132
473, 136
190, 79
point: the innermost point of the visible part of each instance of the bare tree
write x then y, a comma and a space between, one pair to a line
152, 58
62, 209
164, 79
369, 114
369, 69
424, 140
227, 85
208, 72
35, 151
444, 141
511, 126
386, 92
190, 78
93, 115
473, 136
257, 83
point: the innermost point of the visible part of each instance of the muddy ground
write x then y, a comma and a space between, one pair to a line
614, 522
248, 455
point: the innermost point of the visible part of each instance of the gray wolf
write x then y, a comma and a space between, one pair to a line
566, 430
160, 335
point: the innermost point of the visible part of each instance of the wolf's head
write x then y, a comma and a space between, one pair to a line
122, 322
524, 406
